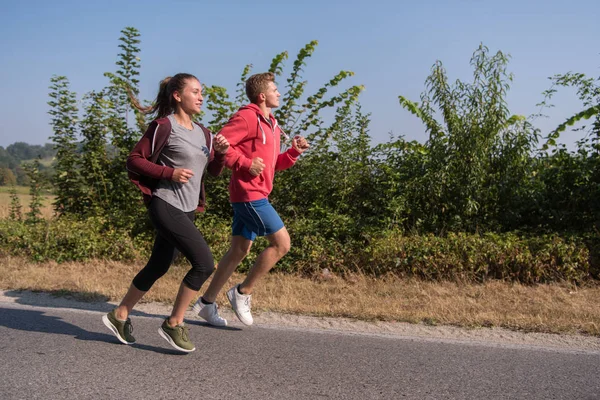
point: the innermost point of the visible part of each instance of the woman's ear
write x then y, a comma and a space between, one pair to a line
176, 96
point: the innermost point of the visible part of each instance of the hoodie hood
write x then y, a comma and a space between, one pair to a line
260, 116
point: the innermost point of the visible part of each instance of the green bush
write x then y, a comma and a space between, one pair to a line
65, 239
472, 257
455, 257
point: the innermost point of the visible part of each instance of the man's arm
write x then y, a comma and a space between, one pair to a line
288, 158
235, 131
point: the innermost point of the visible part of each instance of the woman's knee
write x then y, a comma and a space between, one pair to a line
196, 276
145, 279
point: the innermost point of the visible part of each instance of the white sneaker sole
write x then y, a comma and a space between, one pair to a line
114, 330
231, 301
172, 343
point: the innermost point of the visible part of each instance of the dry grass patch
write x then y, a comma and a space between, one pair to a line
557, 308
25, 199
543, 308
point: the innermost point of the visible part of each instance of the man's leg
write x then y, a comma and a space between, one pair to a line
240, 296
279, 245
239, 249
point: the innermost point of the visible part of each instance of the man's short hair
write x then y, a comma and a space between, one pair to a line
257, 84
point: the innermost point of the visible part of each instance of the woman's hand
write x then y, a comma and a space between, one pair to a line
221, 144
182, 175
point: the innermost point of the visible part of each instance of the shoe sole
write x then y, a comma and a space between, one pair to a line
114, 330
196, 308
229, 297
172, 343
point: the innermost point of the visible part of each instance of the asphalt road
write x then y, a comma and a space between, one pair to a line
65, 353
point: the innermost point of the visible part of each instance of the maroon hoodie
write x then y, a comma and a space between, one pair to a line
142, 166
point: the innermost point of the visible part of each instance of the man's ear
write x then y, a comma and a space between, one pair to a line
262, 97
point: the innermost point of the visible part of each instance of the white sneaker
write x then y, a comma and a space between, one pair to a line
210, 313
241, 305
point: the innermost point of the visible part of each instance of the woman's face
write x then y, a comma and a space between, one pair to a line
190, 98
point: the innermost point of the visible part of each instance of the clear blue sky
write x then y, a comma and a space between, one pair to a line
390, 45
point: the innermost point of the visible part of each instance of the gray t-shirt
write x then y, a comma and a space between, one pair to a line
185, 149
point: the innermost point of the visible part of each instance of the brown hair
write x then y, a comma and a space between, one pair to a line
257, 84
164, 103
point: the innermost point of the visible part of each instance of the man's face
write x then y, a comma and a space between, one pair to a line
272, 96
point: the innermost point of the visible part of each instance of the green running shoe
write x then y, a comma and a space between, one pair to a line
178, 336
121, 329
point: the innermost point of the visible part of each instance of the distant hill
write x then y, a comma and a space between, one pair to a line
13, 156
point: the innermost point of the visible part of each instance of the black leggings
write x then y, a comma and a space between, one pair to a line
175, 232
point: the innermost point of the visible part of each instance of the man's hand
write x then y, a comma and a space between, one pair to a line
221, 144
182, 175
300, 144
257, 166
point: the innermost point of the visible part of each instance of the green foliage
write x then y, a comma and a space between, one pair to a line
571, 180
476, 164
333, 182
434, 210
219, 104
466, 257
95, 163
23, 151
64, 110
34, 216
456, 257
115, 109
67, 239
588, 91
125, 79
15, 213
7, 177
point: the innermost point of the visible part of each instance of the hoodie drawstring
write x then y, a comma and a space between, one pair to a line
263, 131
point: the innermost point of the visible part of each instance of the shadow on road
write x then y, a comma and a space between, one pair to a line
90, 301
207, 325
39, 321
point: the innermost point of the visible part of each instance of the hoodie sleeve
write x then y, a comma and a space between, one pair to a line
286, 159
139, 162
235, 131
215, 166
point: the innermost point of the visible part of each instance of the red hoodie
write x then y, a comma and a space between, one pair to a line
251, 135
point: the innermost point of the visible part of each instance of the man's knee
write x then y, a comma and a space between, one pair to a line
240, 248
284, 249
281, 242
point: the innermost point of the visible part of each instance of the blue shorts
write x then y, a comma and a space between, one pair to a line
255, 218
